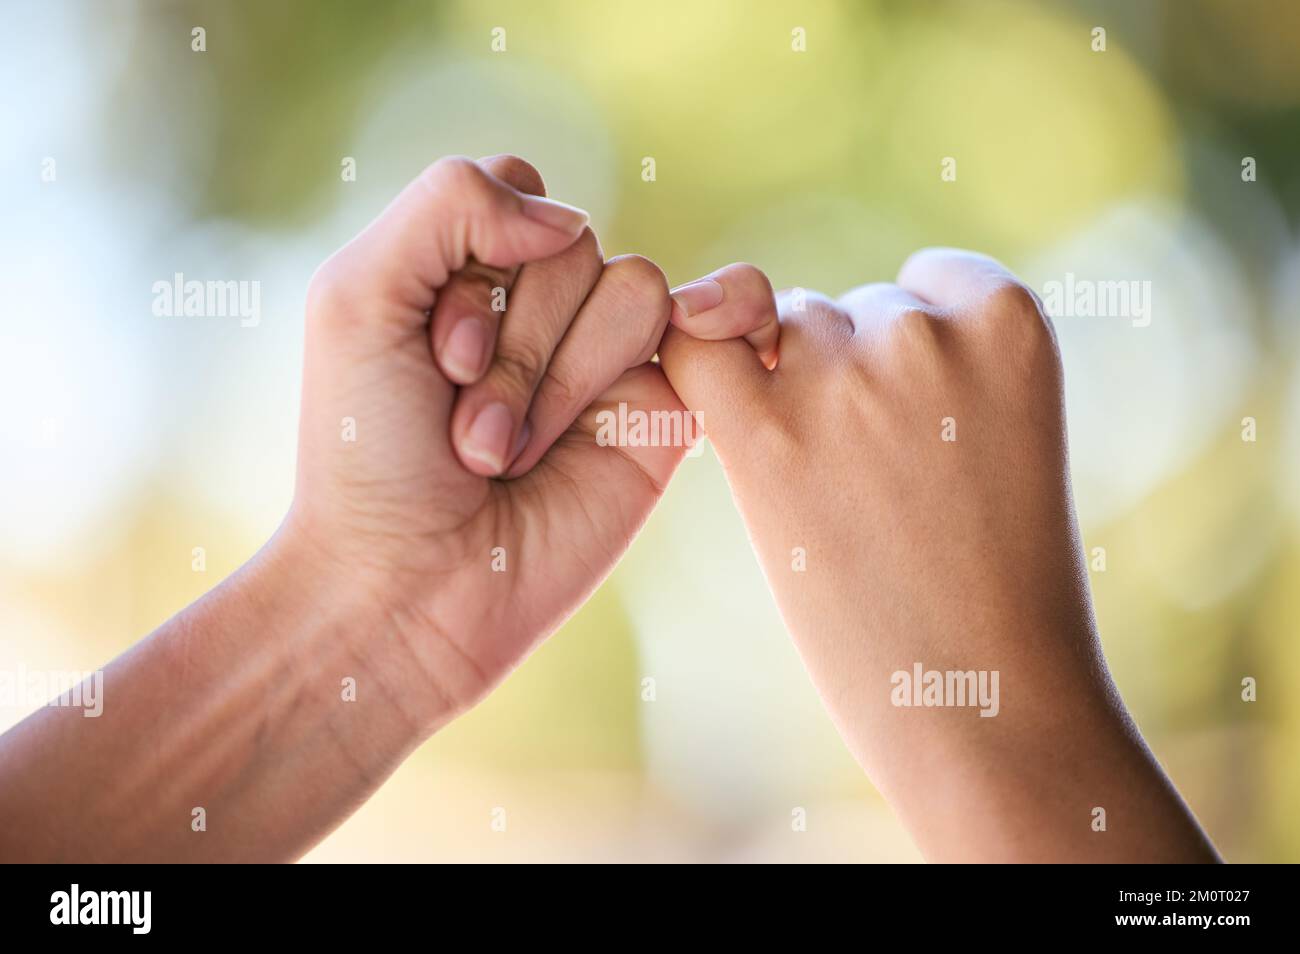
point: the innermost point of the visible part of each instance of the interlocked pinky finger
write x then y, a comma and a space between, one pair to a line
734, 302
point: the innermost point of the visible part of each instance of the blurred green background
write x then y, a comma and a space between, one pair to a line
131, 439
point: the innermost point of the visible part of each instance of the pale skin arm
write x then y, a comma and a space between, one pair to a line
960, 555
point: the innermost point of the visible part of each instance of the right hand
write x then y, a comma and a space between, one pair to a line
960, 554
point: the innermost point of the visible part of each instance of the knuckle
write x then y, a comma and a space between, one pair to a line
328, 287
1018, 318
916, 319
751, 278
1011, 302
644, 291
516, 172
324, 282
640, 284
799, 303
750, 293
561, 389
453, 173
516, 370
938, 258
918, 345
638, 274
915, 328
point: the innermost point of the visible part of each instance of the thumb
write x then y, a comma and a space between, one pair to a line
454, 211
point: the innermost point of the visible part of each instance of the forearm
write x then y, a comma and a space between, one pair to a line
1070, 781
983, 711
236, 706
1048, 767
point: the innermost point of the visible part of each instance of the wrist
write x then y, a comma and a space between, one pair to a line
1060, 774
281, 686
356, 628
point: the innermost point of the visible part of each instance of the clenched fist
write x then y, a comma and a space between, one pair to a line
452, 507
903, 475
472, 334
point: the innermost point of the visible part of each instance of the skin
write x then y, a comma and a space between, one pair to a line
475, 442
383, 569
959, 555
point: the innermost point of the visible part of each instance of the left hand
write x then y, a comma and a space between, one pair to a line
475, 506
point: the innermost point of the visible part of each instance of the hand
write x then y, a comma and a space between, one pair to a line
407, 579
456, 500
903, 475
407, 344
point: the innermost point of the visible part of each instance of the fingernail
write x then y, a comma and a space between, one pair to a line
556, 215
464, 353
698, 296
488, 436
